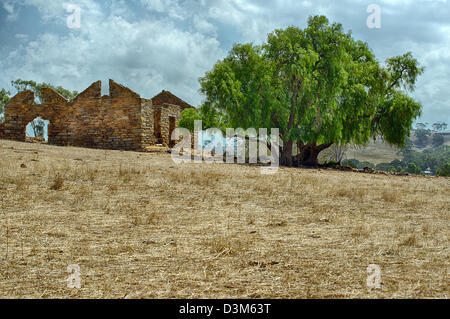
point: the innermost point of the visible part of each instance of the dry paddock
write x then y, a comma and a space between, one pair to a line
140, 226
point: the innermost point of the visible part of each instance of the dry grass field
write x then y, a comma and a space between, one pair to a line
140, 226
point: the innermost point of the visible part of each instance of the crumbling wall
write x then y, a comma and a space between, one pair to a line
147, 114
110, 122
168, 111
120, 120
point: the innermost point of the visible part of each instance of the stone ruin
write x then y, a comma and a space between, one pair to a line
121, 120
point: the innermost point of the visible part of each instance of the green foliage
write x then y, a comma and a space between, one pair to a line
366, 164
208, 116
318, 85
353, 163
413, 169
438, 140
22, 85
188, 116
385, 167
212, 118
4, 98
397, 163
444, 170
429, 158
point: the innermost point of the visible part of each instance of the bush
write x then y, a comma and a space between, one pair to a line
366, 164
413, 169
429, 158
350, 163
385, 167
444, 170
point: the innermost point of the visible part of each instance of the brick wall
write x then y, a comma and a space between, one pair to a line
120, 120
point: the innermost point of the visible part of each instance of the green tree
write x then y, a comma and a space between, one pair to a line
209, 117
4, 98
23, 85
188, 116
319, 86
413, 169
386, 167
444, 170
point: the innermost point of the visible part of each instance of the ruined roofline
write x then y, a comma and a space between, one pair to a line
169, 98
94, 91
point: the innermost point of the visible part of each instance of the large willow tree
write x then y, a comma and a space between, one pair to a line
319, 86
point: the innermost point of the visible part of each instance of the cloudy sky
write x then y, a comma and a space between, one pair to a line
151, 45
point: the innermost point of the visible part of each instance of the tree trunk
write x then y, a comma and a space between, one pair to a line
33, 126
308, 154
286, 154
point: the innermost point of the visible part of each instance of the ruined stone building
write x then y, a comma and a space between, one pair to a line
121, 120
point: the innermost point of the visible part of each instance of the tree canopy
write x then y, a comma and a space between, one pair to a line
318, 85
22, 85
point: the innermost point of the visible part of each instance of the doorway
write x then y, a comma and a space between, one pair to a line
172, 123
157, 126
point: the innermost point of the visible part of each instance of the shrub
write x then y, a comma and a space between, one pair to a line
351, 163
385, 167
413, 169
444, 170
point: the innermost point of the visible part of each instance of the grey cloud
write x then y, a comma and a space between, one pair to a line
166, 44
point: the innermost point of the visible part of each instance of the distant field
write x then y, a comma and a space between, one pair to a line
140, 226
380, 152
376, 153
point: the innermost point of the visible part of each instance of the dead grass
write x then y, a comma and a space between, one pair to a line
140, 226
57, 183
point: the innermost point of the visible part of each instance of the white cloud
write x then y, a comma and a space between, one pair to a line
203, 26
12, 11
179, 40
147, 56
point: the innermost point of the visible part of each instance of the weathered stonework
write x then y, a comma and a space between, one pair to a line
121, 120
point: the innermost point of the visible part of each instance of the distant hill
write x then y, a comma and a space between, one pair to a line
379, 151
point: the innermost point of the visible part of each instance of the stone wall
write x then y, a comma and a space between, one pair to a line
147, 114
120, 120
168, 111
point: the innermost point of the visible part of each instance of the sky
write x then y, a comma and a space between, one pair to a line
151, 45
